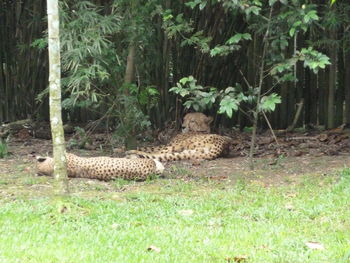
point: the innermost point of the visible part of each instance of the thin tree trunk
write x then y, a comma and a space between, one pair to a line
314, 97
347, 88
261, 79
251, 77
307, 97
332, 81
130, 65
166, 54
325, 95
340, 92
299, 86
130, 140
299, 90
298, 41
59, 151
283, 107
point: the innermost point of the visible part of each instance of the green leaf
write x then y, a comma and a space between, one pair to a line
235, 39
268, 103
313, 15
229, 89
306, 19
188, 104
184, 92
228, 105
216, 51
246, 36
292, 31
297, 23
202, 5
152, 91
253, 9
184, 80
179, 90
192, 5
167, 17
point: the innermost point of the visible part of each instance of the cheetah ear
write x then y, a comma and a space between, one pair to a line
185, 117
40, 159
209, 120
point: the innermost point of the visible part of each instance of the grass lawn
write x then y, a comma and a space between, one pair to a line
172, 220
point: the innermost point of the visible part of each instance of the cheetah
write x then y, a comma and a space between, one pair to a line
187, 146
194, 143
103, 168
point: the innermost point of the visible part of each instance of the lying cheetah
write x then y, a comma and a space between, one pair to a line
103, 168
187, 146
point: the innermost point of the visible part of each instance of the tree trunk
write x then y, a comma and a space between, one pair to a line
314, 97
332, 81
340, 92
307, 97
261, 79
325, 96
59, 151
299, 90
293, 100
130, 65
347, 88
130, 140
283, 107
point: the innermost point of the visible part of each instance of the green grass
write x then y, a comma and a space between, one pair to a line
189, 221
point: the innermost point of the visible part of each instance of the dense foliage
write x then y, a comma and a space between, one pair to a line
160, 57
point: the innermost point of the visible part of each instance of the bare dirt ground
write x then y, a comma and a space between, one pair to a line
17, 172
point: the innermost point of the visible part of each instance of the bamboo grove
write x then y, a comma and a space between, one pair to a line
118, 53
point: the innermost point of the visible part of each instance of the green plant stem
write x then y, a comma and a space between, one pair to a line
261, 78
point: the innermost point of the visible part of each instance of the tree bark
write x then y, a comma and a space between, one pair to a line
59, 151
347, 88
283, 107
340, 92
130, 65
293, 100
299, 90
332, 81
130, 140
308, 97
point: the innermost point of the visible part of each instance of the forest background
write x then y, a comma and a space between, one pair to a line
135, 64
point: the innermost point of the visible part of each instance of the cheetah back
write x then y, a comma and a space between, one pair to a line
103, 168
189, 146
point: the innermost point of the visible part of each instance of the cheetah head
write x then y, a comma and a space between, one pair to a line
196, 122
159, 166
44, 165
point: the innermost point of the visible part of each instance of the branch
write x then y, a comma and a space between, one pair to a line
261, 78
269, 124
297, 116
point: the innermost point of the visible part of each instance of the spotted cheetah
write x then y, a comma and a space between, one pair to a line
187, 146
103, 168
